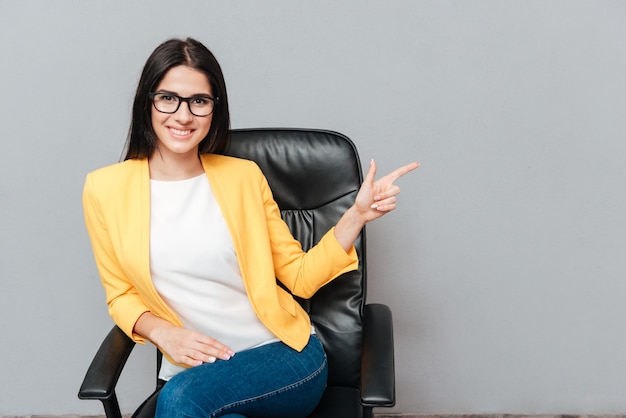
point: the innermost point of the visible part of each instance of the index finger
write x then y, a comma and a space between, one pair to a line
211, 342
399, 172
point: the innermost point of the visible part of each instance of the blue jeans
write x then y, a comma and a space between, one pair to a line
268, 381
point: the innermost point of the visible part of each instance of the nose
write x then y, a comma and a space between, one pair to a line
183, 114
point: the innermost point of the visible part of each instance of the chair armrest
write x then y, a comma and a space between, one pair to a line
105, 369
378, 382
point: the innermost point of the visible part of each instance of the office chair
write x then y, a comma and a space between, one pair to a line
314, 176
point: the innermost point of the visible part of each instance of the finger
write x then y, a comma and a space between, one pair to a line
392, 190
195, 358
188, 361
399, 172
371, 173
189, 358
386, 205
206, 358
386, 208
213, 348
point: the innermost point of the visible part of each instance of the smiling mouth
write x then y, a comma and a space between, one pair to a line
180, 132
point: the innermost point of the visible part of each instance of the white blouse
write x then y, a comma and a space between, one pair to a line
194, 266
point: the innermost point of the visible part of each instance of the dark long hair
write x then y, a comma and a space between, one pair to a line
142, 140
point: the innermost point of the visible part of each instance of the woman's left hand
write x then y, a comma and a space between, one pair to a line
374, 199
378, 197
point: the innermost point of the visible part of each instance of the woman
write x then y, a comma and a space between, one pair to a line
180, 269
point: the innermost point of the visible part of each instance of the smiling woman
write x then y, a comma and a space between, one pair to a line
191, 56
176, 266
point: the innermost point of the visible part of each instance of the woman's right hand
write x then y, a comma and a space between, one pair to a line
182, 345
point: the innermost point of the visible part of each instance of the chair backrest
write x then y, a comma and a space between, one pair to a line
315, 176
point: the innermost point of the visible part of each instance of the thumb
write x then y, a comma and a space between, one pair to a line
371, 173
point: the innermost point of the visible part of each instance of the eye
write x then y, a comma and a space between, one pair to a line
167, 98
201, 101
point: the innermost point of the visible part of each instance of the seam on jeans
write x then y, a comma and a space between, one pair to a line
274, 392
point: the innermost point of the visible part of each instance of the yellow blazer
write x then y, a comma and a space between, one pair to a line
116, 201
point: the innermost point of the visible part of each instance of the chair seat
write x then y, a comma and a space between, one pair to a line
339, 402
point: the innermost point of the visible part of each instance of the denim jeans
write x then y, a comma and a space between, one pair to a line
272, 380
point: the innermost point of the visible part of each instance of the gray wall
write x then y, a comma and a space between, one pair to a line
504, 265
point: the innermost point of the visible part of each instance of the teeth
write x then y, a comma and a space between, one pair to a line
179, 132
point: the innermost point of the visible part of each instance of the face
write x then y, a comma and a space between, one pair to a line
180, 133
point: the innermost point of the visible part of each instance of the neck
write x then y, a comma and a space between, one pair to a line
176, 167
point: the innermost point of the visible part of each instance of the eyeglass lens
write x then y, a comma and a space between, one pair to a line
169, 103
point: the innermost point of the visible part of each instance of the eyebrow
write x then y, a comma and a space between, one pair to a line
173, 93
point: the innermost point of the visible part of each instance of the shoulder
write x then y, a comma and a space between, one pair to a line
235, 176
115, 178
115, 171
231, 165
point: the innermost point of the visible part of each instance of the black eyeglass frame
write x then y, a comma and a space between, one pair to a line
215, 100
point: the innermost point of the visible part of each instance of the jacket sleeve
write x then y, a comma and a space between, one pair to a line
303, 273
125, 304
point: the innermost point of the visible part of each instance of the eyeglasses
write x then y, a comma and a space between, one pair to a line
199, 104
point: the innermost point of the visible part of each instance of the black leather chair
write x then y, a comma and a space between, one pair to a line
314, 176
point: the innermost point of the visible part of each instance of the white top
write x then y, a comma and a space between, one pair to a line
194, 266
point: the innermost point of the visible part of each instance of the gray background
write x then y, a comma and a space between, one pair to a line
504, 264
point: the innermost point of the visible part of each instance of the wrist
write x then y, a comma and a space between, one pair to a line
151, 327
349, 227
357, 219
